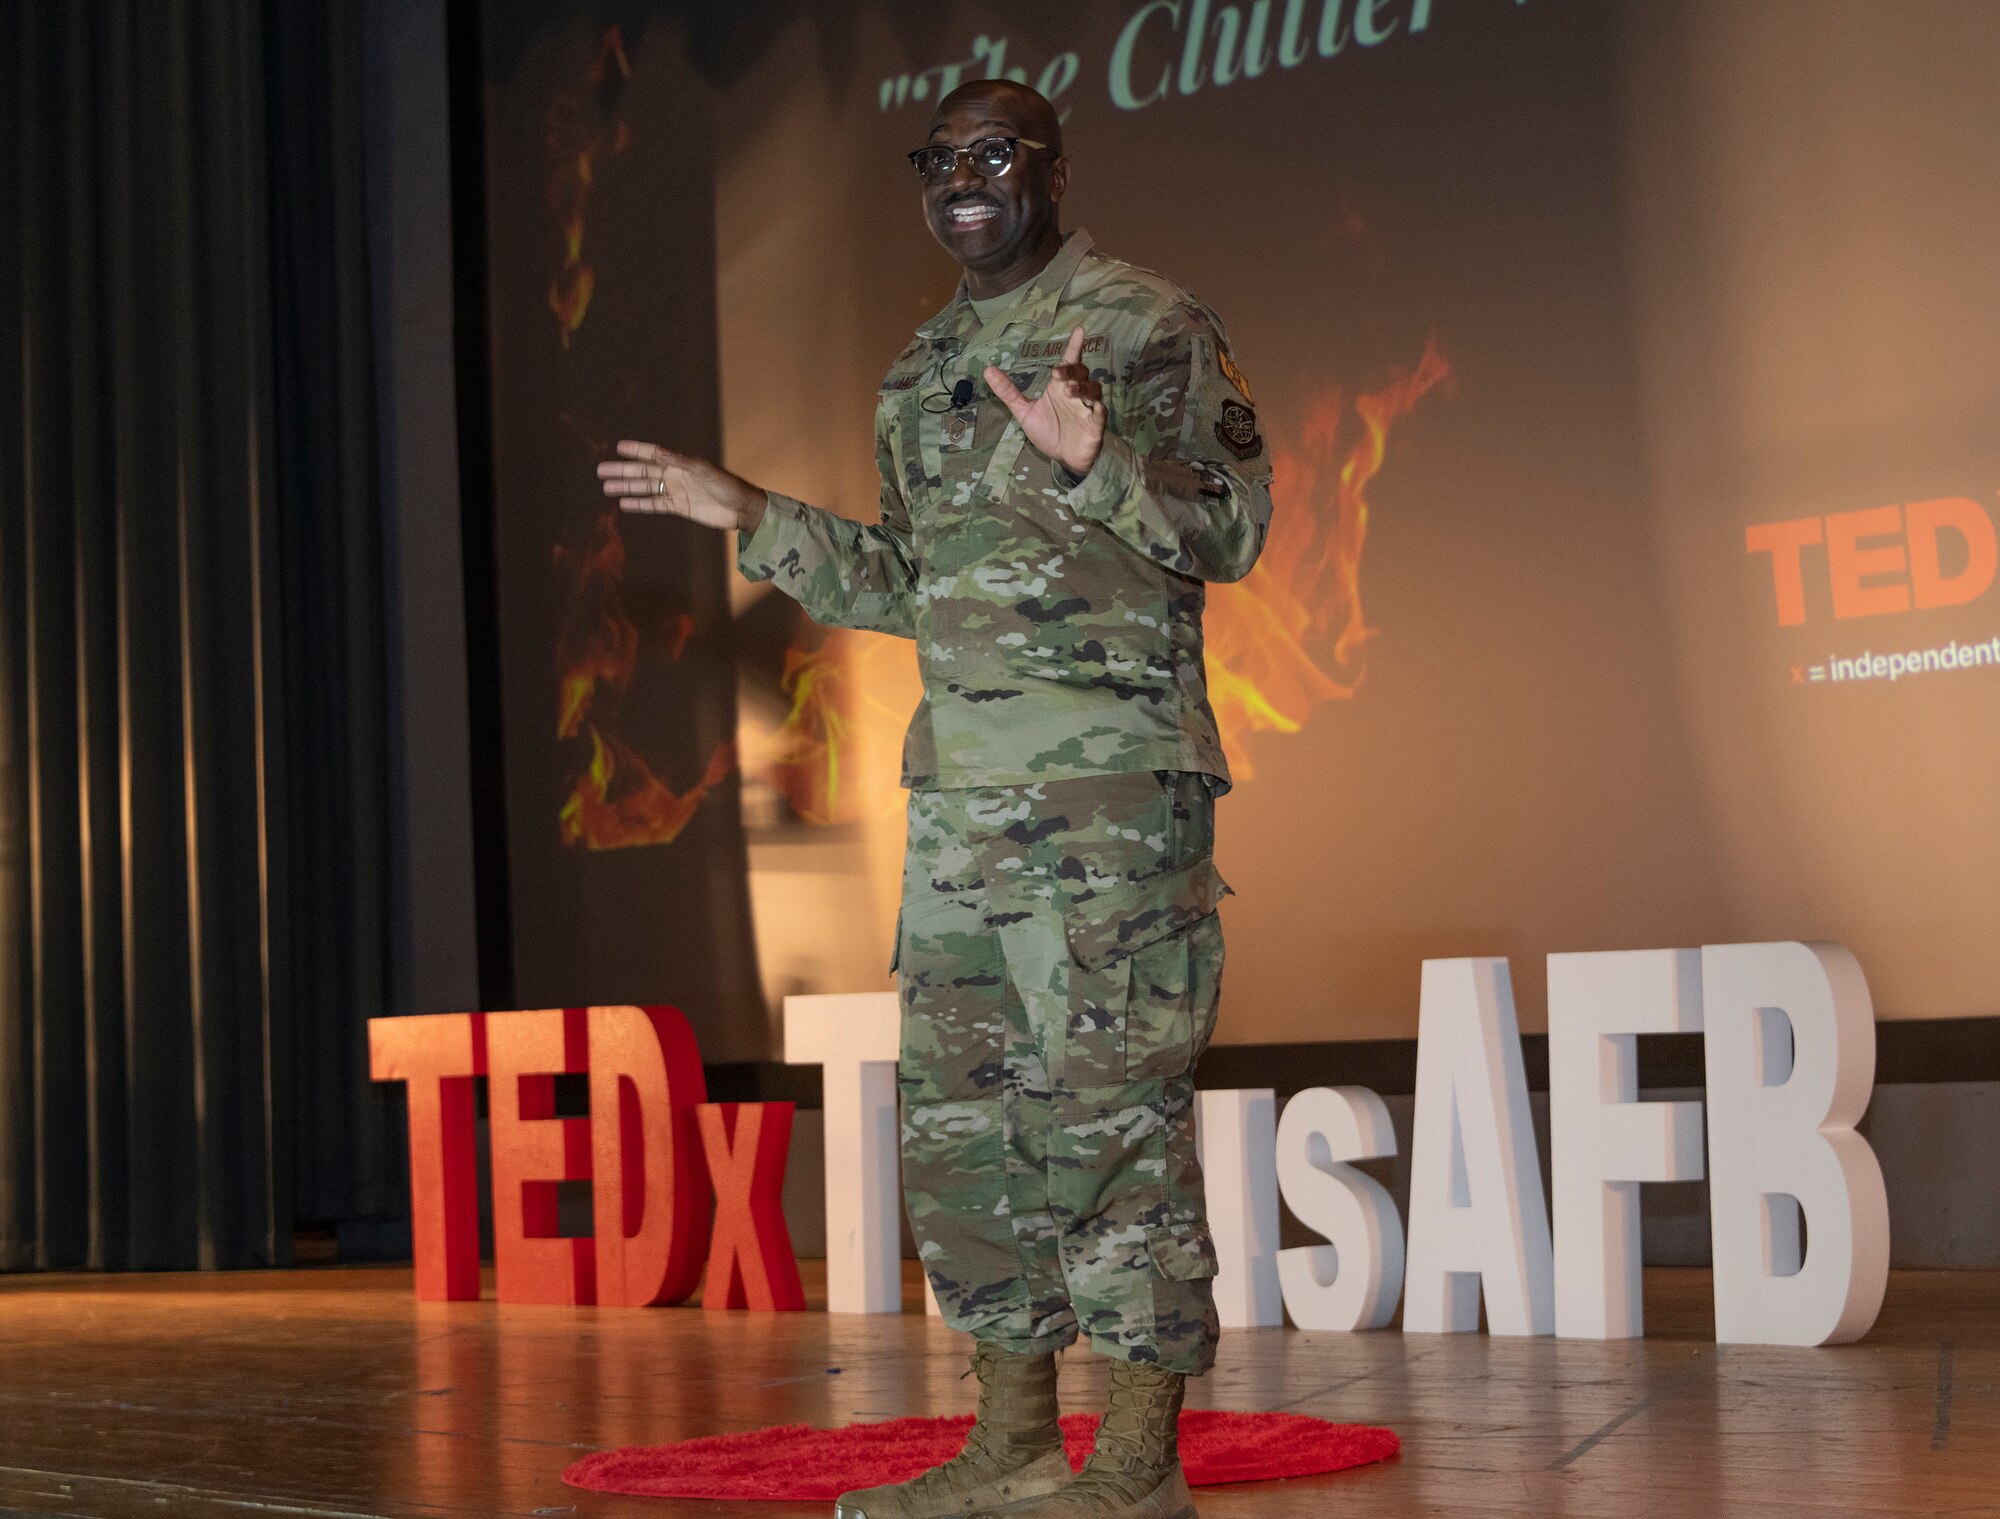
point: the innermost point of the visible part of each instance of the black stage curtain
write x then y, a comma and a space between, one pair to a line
192, 721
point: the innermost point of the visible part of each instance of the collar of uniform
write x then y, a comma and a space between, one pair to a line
1037, 306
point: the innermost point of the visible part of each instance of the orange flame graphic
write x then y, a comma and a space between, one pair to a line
1274, 655
1286, 640
596, 643
851, 698
573, 146
617, 801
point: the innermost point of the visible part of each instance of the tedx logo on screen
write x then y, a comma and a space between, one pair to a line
1918, 556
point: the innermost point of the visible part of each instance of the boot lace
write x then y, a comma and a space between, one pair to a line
995, 1446
1137, 1444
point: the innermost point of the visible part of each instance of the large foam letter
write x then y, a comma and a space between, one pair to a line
1351, 1282
1476, 1208
650, 1191
750, 1261
438, 1054
533, 1150
1605, 1140
1791, 1062
1236, 1135
854, 1040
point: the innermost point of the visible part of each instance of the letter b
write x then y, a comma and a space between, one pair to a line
1791, 1060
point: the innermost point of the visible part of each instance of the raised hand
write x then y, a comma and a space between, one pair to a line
1066, 421
648, 478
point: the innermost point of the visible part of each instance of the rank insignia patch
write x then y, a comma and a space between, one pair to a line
1236, 429
1234, 374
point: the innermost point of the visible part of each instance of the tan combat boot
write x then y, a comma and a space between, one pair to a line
1014, 1450
1135, 1471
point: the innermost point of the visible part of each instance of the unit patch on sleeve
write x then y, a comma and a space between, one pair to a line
1234, 374
1236, 430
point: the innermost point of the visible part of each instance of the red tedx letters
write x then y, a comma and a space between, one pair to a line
649, 1149
437, 1055
750, 1262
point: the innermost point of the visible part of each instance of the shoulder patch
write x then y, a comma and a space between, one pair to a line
1236, 430
1234, 374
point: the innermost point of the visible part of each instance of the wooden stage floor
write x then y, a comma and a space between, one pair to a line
332, 1393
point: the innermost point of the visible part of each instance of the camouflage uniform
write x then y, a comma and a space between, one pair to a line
1059, 955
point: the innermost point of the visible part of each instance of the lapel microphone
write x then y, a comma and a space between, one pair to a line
961, 395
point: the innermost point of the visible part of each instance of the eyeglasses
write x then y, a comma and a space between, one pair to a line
990, 157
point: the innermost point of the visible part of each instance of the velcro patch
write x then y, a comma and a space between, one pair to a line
1054, 348
1234, 374
1236, 430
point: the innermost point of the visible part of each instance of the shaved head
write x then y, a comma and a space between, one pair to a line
1024, 112
999, 222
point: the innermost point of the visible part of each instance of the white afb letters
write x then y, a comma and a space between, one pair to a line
1789, 1035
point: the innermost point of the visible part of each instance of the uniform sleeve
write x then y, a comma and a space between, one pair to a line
1184, 475
845, 574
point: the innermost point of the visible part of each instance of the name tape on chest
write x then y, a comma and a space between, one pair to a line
1054, 348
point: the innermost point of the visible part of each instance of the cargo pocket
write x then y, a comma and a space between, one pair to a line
1181, 1252
896, 945
1144, 963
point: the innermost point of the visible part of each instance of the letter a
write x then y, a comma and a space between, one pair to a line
1791, 1061
1476, 1207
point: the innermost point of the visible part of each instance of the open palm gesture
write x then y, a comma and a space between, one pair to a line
648, 478
1066, 421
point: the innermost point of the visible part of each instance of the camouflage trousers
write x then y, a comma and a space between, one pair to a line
1059, 959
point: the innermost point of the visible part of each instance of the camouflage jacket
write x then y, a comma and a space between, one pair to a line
1057, 622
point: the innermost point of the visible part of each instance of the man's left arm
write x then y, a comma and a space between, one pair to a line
1183, 474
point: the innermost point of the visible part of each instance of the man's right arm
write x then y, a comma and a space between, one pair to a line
845, 574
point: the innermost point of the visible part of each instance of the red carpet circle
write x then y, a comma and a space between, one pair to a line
799, 1463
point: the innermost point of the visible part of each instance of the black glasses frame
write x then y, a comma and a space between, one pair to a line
930, 151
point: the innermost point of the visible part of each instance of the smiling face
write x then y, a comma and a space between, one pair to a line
1003, 230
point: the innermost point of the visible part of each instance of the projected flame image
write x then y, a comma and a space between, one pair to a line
1283, 642
834, 757
575, 144
616, 801
1291, 635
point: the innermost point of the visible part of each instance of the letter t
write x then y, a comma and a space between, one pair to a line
1783, 541
437, 1055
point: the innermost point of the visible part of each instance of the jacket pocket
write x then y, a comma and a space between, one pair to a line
1144, 975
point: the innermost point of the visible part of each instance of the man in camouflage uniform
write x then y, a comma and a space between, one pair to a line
1067, 455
